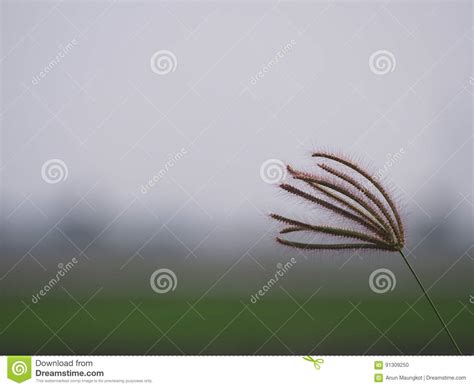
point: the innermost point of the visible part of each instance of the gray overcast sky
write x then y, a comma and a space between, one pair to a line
245, 83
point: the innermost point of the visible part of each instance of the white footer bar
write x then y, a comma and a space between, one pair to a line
238, 371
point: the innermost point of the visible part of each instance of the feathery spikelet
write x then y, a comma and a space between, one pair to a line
351, 194
354, 196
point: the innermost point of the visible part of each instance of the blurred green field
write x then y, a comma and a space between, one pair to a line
230, 326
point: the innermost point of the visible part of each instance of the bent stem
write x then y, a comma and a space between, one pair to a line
431, 303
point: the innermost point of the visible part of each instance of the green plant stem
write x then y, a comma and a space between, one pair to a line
431, 303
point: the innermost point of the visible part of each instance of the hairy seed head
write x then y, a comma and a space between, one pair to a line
379, 225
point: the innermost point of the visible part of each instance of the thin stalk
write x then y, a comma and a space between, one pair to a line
431, 303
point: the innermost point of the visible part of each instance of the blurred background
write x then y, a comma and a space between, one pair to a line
137, 136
